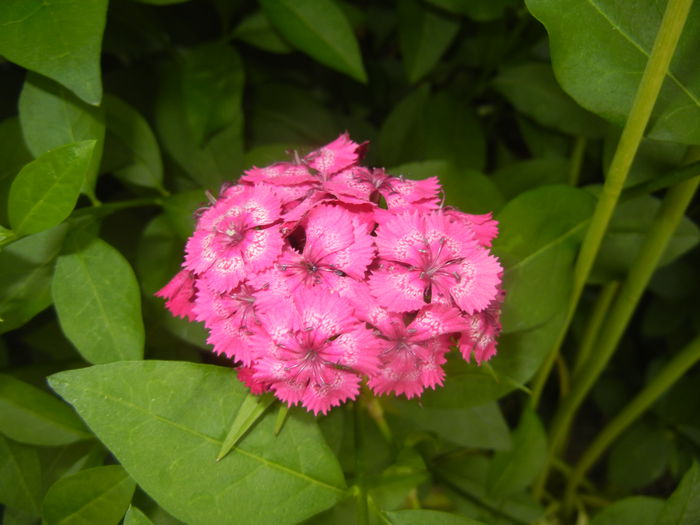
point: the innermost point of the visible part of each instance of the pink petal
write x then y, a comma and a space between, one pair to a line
480, 278
179, 294
333, 157
397, 289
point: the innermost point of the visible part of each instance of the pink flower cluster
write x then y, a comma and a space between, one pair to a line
318, 273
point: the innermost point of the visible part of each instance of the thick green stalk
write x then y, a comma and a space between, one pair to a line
678, 366
647, 93
577, 160
598, 315
665, 224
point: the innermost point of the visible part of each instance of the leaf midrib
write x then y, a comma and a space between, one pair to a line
643, 51
204, 437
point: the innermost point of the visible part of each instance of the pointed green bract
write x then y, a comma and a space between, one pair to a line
599, 52
165, 422
252, 409
98, 302
60, 39
32, 416
95, 495
46, 190
321, 30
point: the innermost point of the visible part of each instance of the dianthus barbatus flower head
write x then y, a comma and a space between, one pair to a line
317, 274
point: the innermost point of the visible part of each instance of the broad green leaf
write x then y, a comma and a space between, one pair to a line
397, 140
212, 90
131, 150
52, 116
95, 495
481, 10
469, 190
599, 52
180, 210
20, 477
683, 507
257, 31
180, 98
135, 517
98, 303
58, 462
15, 154
165, 423
639, 456
270, 153
534, 91
25, 276
513, 470
46, 190
59, 39
32, 416
321, 30
640, 510
625, 236
252, 409
480, 426
543, 142
539, 235
453, 133
519, 177
424, 35
428, 517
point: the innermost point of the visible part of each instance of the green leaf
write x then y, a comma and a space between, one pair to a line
180, 127
20, 477
428, 517
15, 154
98, 303
95, 495
131, 150
171, 420
480, 426
481, 10
321, 30
466, 189
257, 31
424, 35
135, 517
32, 416
640, 510
25, 276
397, 140
626, 234
683, 507
639, 456
540, 231
46, 190
599, 52
534, 91
212, 85
251, 410
513, 470
52, 116
180, 210
57, 38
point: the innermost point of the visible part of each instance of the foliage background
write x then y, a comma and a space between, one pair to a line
115, 118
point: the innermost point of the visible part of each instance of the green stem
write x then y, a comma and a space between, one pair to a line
577, 160
600, 311
665, 224
647, 93
678, 366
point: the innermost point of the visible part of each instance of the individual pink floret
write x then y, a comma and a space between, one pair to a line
235, 236
314, 351
336, 156
485, 228
179, 295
